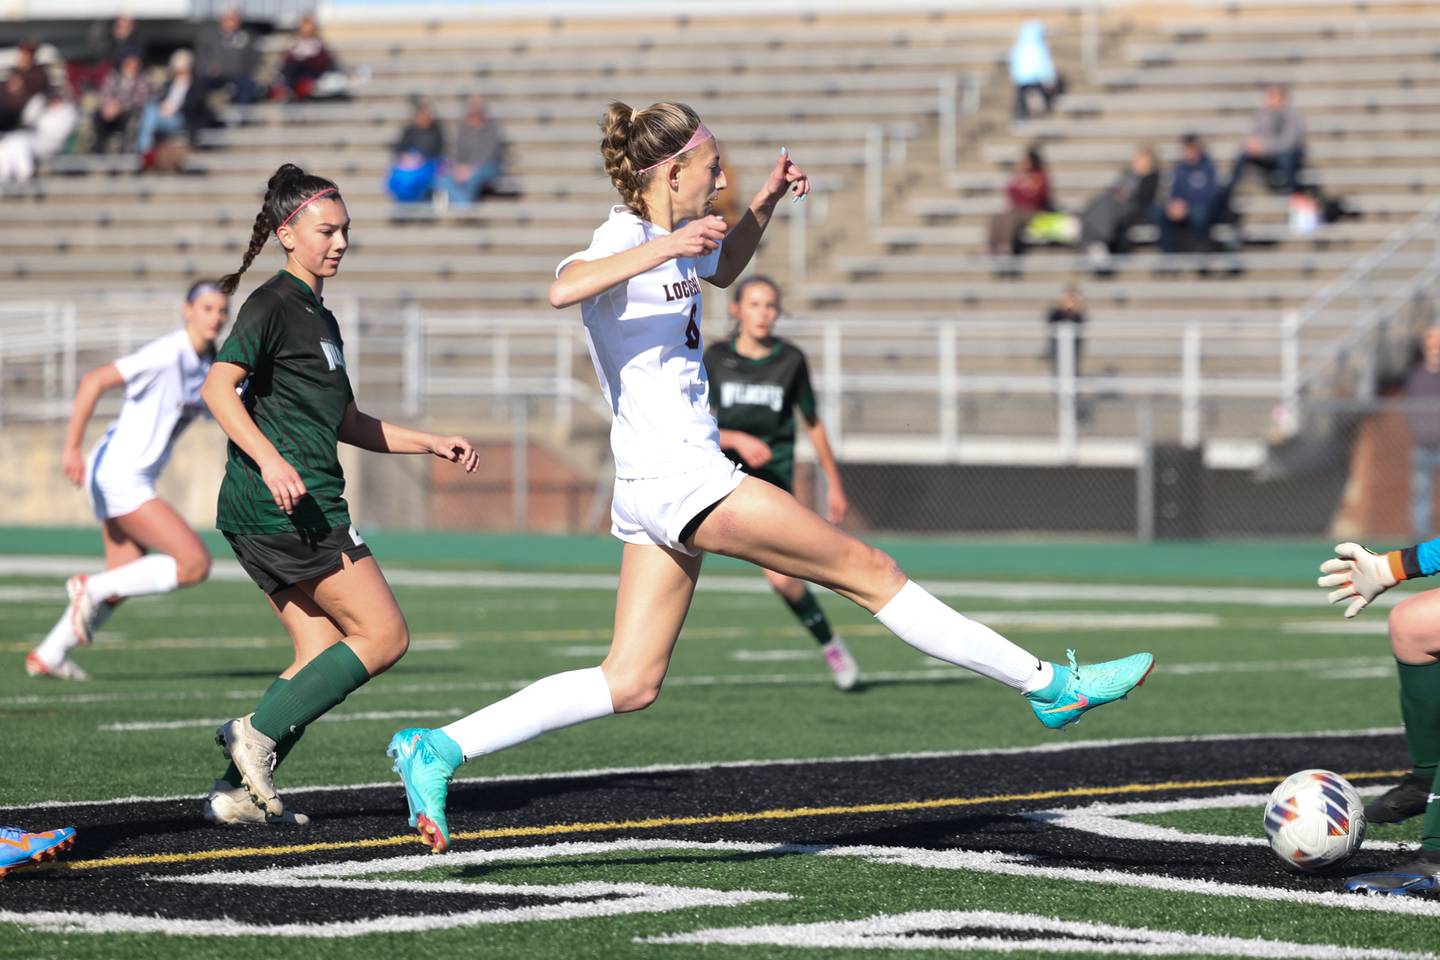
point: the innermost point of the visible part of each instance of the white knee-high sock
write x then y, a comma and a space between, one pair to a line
61, 639
934, 629
57, 643
153, 574
559, 700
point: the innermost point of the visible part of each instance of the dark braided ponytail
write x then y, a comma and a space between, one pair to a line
288, 188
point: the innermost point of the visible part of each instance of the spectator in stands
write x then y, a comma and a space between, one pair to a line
109, 45
1028, 193
47, 127
417, 156
1107, 218
1276, 144
123, 96
479, 156
26, 81
307, 59
227, 57
179, 109
1422, 413
1032, 69
1195, 201
1070, 309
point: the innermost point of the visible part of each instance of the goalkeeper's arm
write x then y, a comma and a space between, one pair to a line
1360, 575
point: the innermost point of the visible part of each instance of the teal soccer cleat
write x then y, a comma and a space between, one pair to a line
426, 760
20, 849
1075, 690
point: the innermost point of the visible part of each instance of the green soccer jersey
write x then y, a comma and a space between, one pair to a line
297, 393
759, 397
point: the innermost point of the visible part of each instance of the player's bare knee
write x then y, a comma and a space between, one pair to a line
631, 690
885, 572
192, 568
1413, 631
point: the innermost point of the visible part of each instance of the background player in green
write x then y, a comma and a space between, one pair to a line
1357, 577
757, 381
281, 504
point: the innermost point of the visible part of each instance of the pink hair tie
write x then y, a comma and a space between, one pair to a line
701, 134
303, 204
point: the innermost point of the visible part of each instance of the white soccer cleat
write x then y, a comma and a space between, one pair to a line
231, 806
82, 609
843, 668
253, 754
64, 670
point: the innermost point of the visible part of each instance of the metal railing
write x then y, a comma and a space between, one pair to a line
913, 391
1366, 350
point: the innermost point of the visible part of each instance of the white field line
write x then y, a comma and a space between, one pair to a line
585, 774
1360, 627
229, 571
1047, 936
1343, 666
145, 725
1110, 820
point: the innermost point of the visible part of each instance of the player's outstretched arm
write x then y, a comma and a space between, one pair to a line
1360, 575
224, 403
583, 279
371, 433
836, 505
740, 243
87, 395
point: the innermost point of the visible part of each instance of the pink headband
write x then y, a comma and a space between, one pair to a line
700, 135
303, 204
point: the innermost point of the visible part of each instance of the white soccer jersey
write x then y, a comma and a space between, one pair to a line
644, 338
162, 395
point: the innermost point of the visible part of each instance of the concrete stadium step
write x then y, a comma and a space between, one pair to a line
972, 235
1319, 150
1419, 44
1039, 262
1249, 205
1317, 102
1156, 79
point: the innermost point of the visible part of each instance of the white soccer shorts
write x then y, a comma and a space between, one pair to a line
655, 510
114, 491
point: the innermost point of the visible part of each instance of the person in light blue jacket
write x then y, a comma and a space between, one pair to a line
1032, 69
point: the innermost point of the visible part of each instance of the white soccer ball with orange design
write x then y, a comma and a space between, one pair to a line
1315, 819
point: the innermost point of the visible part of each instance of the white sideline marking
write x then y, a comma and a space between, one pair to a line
1047, 936
581, 650
229, 571
1337, 668
139, 725
1360, 627
775, 656
1109, 820
1039, 748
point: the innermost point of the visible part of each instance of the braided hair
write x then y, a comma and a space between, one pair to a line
632, 141
288, 188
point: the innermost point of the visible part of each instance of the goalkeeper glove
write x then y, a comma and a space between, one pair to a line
1360, 575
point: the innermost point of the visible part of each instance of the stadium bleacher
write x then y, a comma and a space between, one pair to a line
860, 103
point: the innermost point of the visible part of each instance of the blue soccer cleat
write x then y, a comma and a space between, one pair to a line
20, 849
1418, 878
426, 760
1074, 691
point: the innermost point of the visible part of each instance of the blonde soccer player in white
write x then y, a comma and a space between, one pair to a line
149, 548
676, 494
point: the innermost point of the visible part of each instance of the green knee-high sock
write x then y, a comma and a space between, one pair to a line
1420, 711
282, 747
1420, 708
808, 612
320, 685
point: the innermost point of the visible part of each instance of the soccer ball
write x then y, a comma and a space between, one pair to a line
1314, 820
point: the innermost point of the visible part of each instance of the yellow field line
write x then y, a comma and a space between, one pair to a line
655, 823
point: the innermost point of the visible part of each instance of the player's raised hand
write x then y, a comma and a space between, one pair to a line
72, 463
284, 483
456, 450
699, 236
786, 176
1358, 575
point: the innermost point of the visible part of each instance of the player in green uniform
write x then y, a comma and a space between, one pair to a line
281, 505
757, 381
